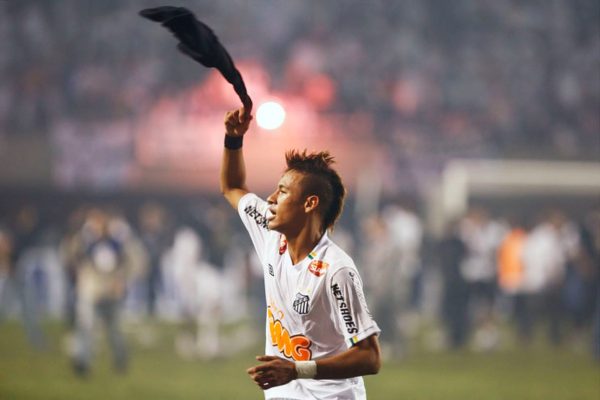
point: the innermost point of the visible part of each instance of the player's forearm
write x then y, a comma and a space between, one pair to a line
362, 359
233, 170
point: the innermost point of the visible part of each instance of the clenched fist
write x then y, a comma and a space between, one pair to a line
237, 122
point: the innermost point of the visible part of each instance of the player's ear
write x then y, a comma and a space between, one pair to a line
311, 203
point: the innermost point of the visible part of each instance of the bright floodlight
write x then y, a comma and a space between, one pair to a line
270, 115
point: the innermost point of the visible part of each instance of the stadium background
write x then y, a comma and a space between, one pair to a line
99, 110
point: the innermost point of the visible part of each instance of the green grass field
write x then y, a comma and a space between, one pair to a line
157, 373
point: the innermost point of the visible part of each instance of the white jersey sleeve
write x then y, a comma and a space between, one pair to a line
253, 211
350, 307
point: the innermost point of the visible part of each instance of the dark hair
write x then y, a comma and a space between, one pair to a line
324, 182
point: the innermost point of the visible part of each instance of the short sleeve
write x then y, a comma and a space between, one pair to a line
350, 307
253, 213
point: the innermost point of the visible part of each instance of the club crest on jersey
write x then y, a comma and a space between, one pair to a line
300, 304
318, 267
282, 244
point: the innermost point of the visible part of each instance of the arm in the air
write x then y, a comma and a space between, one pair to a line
233, 170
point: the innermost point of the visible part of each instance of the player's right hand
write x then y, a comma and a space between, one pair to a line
273, 371
237, 122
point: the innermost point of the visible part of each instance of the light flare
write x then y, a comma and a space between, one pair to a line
270, 115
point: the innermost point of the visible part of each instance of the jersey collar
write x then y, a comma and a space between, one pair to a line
313, 254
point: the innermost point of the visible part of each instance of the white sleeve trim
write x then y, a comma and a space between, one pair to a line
374, 329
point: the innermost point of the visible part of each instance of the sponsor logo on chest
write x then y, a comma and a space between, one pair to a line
318, 267
296, 347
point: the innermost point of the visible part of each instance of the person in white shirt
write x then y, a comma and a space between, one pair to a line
320, 336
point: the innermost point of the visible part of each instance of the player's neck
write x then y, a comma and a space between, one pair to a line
301, 244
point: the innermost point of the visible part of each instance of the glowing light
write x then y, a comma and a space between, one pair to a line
270, 115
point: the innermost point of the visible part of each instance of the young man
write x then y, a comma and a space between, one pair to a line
320, 335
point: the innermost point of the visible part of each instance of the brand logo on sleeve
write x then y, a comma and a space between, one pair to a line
260, 219
300, 304
318, 267
344, 309
296, 347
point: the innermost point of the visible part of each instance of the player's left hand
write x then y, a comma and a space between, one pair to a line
273, 371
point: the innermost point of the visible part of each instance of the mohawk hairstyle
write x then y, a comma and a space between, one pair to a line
323, 181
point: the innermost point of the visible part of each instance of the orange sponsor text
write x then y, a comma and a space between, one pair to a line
296, 347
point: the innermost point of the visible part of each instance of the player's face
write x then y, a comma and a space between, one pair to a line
287, 204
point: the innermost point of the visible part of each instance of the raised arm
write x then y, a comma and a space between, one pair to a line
233, 170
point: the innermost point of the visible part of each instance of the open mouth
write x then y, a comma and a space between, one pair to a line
270, 214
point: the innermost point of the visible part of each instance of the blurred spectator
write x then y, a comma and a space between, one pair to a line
19, 282
545, 257
511, 277
71, 252
200, 288
481, 235
584, 280
154, 230
6, 269
452, 252
406, 234
583, 270
385, 284
110, 257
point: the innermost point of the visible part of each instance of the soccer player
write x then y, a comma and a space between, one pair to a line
320, 336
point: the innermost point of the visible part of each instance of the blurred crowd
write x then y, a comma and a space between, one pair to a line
529, 273
486, 284
436, 79
542, 272
98, 267
478, 78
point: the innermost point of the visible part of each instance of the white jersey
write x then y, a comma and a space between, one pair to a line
315, 308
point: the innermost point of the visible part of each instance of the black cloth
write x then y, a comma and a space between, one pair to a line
199, 42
